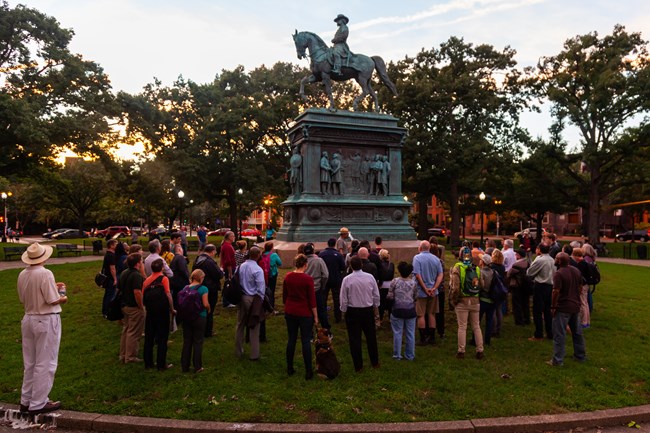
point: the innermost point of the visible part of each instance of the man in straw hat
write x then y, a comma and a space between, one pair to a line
41, 329
344, 240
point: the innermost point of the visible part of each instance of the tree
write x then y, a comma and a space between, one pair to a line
539, 172
460, 104
601, 86
222, 136
77, 189
51, 98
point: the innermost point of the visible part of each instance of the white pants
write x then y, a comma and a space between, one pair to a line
41, 338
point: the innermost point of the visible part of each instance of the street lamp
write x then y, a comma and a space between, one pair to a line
240, 192
181, 194
497, 203
5, 196
266, 218
191, 215
482, 198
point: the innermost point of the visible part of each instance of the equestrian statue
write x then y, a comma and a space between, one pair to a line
339, 64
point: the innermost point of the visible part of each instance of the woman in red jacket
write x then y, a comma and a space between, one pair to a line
299, 301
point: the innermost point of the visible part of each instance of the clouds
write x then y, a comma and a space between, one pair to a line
137, 40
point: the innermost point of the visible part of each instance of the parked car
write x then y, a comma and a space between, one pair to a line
437, 231
111, 231
220, 232
532, 232
48, 235
70, 234
251, 232
638, 235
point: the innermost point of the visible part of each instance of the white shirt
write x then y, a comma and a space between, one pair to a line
152, 258
37, 290
509, 258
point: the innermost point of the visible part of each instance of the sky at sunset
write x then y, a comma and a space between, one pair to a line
135, 41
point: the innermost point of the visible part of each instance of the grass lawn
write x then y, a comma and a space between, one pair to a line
436, 386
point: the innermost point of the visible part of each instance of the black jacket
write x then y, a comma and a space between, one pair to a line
213, 273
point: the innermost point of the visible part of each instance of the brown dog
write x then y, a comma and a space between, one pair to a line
327, 366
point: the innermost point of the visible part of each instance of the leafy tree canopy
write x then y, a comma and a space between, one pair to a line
50, 98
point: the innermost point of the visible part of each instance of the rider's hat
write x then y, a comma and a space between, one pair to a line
341, 17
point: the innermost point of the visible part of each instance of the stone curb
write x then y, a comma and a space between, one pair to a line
519, 424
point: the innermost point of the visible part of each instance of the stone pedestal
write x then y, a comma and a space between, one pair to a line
399, 250
366, 197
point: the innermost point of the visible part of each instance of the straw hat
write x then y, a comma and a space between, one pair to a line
36, 253
344, 230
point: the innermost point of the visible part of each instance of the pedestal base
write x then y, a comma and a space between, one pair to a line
399, 250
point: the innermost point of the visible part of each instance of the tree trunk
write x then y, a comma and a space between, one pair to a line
455, 213
232, 208
593, 212
423, 221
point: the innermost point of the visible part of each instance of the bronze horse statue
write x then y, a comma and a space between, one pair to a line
358, 67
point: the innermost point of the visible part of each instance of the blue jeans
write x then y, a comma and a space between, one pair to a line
109, 294
488, 310
560, 322
406, 326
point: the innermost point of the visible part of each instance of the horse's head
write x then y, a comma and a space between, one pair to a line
301, 44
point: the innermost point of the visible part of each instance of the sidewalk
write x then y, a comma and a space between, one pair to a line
18, 264
632, 262
574, 421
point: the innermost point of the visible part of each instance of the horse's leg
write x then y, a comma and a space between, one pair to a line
373, 94
364, 91
327, 81
307, 80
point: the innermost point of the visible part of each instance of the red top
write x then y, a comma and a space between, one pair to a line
298, 294
227, 256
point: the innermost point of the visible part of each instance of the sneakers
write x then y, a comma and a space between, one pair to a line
552, 363
166, 367
480, 355
50, 406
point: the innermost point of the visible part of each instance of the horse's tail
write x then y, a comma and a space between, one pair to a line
380, 66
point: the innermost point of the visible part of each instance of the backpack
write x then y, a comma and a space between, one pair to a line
463, 272
189, 304
155, 298
593, 274
233, 290
498, 290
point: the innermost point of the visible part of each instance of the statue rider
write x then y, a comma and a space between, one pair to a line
340, 49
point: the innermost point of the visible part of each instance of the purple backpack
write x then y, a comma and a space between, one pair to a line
189, 304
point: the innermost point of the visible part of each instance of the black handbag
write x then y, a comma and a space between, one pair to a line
100, 279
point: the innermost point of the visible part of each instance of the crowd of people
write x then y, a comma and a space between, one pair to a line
364, 287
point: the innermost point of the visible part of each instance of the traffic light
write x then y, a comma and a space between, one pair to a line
2, 219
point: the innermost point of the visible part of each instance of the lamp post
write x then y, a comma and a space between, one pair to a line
240, 192
482, 198
5, 196
191, 215
266, 220
497, 203
181, 194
